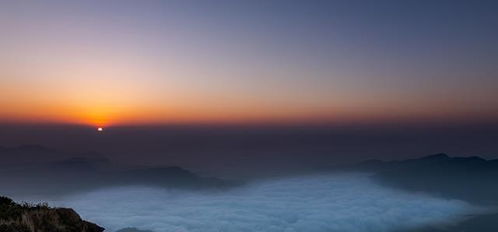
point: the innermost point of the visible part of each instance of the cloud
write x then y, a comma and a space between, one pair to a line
339, 202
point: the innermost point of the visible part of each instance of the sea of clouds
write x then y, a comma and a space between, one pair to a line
333, 202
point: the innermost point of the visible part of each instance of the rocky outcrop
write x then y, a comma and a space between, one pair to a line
41, 218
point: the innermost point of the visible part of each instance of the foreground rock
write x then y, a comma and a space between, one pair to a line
41, 218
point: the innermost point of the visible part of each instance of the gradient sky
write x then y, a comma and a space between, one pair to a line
105, 63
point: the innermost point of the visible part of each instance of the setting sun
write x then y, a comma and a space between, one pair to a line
248, 115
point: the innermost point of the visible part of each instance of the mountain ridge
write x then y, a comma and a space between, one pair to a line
469, 178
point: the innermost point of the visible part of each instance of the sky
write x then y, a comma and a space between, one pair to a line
110, 63
265, 91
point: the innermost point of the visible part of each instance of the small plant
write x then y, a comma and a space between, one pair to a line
6, 201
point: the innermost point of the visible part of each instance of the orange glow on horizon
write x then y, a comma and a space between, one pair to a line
101, 116
111, 100
136, 66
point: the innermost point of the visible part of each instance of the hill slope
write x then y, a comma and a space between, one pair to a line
40, 218
468, 178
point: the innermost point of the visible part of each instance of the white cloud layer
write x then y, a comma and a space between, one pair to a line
342, 203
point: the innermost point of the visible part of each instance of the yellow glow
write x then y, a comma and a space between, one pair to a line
101, 91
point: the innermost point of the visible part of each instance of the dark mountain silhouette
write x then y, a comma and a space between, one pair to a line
131, 229
41, 218
54, 177
166, 177
472, 179
468, 178
475, 223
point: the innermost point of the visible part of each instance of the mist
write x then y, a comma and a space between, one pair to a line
320, 202
248, 116
245, 151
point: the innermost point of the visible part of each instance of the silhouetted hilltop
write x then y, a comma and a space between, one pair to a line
468, 178
481, 223
166, 177
41, 218
131, 229
56, 176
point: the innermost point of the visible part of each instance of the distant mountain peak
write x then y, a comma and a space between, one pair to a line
436, 156
469, 178
33, 147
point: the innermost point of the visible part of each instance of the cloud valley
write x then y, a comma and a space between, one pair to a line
325, 202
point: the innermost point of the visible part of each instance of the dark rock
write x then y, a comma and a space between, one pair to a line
41, 218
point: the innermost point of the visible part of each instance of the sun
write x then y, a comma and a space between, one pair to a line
100, 129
